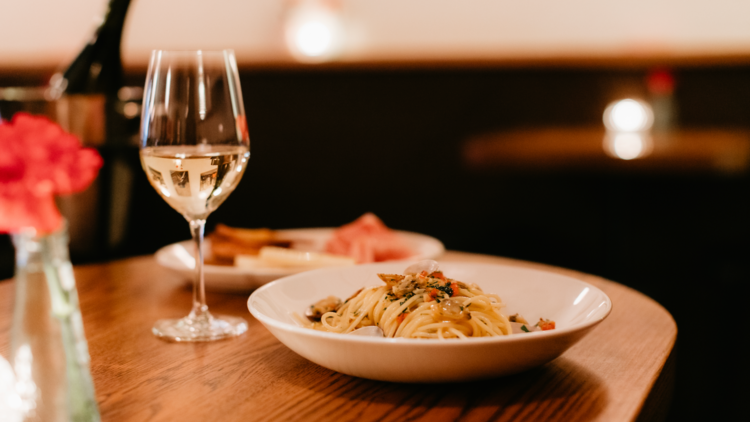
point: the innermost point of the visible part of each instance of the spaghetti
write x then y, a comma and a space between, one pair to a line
423, 305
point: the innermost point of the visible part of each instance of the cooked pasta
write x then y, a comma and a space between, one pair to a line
422, 305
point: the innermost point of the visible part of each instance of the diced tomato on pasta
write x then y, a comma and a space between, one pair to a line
433, 294
546, 325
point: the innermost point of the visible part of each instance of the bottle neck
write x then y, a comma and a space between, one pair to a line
114, 19
98, 69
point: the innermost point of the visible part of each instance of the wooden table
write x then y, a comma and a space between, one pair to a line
622, 371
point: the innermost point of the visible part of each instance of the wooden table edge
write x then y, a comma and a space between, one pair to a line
457, 256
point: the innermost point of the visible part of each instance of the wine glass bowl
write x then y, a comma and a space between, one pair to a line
194, 150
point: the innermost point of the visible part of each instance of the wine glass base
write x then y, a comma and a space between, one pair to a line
190, 329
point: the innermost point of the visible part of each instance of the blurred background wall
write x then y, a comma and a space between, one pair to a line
391, 30
479, 123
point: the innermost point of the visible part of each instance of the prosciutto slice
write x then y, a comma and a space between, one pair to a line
367, 239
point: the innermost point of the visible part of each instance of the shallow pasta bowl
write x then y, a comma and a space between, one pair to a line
574, 305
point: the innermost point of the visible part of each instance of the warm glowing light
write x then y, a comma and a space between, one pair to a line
314, 32
628, 124
628, 145
313, 38
131, 110
628, 116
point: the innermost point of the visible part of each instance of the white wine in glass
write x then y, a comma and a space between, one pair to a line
194, 150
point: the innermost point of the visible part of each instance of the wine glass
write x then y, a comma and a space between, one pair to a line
194, 150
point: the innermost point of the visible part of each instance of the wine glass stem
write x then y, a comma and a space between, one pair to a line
200, 309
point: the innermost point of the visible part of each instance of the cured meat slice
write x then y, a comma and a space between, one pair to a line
367, 239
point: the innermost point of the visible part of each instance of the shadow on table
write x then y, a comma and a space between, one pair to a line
560, 390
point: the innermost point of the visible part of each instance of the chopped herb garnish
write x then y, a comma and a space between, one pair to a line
523, 328
407, 297
446, 289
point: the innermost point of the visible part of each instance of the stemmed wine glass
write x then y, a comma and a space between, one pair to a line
194, 150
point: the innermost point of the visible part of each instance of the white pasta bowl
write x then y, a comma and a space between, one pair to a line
574, 305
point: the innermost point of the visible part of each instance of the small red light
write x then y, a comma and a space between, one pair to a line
660, 81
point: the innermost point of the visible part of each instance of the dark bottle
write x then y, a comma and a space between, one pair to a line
98, 68
87, 91
87, 105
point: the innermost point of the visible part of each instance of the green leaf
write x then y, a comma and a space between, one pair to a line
523, 328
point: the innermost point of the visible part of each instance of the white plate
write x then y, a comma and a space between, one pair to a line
179, 258
575, 306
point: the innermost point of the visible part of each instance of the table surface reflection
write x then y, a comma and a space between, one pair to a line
622, 371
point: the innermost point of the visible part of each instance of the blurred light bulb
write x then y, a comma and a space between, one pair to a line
314, 31
628, 116
313, 38
131, 110
628, 145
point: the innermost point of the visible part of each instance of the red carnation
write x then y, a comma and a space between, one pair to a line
39, 160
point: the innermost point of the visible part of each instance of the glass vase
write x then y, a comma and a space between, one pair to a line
49, 354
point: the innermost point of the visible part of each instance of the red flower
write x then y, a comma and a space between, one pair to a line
38, 160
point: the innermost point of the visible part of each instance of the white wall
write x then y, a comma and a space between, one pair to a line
48, 32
